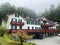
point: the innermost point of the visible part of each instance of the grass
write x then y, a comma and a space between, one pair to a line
29, 44
7, 40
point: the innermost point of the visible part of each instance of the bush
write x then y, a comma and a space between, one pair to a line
2, 31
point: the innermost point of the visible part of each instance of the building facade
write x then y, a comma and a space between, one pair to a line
17, 22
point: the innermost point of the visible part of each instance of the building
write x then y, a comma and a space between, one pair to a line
17, 22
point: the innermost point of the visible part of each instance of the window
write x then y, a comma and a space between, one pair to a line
19, 20
28, 27
13, 19
32, 28
40, 28
35, 23
13, 27
16, 15
38, 23
32, 22
28, 22
16, 20
20, 27
37, 28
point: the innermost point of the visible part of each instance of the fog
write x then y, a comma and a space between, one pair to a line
35, 5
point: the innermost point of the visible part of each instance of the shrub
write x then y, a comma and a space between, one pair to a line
2, 31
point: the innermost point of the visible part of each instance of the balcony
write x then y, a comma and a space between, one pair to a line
17, 23
46, 25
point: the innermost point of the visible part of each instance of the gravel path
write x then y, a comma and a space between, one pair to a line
47, 41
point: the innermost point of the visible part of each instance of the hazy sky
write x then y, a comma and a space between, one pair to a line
36, 5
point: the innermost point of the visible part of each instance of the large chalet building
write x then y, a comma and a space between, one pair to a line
17, 22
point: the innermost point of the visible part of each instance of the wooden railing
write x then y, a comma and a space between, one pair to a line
16, 23
34, 31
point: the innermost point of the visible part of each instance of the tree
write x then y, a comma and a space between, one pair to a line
53, 13
22, 36
6, 9
26, 12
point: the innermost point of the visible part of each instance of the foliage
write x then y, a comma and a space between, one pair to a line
7, 8
23, 36
53, 13
6, 40
59, 27
26, 12
2, 31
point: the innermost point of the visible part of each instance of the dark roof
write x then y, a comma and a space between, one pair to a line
31, 19
51, 22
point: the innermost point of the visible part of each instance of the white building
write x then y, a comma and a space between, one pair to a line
16, 21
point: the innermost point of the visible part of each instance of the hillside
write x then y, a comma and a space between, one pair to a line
6, 40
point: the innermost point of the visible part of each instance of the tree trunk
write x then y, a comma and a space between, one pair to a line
21, 42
